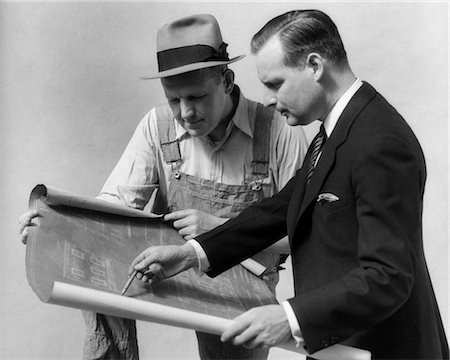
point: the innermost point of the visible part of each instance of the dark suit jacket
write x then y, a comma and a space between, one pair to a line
360, 274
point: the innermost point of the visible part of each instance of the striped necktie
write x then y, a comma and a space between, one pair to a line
316, 146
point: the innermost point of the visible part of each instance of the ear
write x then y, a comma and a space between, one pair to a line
228, 80
315, 62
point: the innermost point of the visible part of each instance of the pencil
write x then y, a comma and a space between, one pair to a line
129, 281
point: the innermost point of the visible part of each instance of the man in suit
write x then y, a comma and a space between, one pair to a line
353, 212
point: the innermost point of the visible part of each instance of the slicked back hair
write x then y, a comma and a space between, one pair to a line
302, 32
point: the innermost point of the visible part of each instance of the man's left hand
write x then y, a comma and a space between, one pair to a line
263, 326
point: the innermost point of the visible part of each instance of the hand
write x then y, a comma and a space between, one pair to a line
191, 223
263, 326
24, 223
162, 262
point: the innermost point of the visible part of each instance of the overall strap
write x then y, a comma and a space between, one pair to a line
261, 140
167, 136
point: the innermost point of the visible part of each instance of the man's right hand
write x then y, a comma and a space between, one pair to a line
24, 223
162, 262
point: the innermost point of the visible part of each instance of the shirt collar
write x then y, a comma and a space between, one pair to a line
338, 108
180, 131
240, 119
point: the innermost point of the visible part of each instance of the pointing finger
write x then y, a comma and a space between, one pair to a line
137, 261
145, 259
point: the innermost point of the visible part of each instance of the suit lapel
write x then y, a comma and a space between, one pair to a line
298, 192
327, 158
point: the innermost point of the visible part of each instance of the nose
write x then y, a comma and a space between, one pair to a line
186, 109
269, 98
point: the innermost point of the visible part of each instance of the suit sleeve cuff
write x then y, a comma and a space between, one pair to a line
293, 324
203, 262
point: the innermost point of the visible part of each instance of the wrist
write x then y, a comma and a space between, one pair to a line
190, 257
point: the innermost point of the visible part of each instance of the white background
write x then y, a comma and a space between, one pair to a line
71, 96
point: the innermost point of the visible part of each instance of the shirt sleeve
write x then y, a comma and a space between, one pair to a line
288, 149
203, 262
293, 323
135, 176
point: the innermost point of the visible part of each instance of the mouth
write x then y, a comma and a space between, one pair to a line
192, 122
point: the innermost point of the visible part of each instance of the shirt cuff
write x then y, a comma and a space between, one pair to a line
293, 324
203, 262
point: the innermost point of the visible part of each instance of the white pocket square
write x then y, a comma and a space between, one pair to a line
326, 198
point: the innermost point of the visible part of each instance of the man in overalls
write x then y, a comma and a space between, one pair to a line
210, 153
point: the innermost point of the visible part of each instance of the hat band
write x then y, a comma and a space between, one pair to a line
185, 55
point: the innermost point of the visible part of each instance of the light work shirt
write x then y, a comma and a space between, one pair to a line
141, 169
329, 124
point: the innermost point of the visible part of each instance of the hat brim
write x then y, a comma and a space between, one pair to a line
191, 67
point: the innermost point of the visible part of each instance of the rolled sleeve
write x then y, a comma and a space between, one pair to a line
135, 176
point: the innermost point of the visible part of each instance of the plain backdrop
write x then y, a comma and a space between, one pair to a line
71, 96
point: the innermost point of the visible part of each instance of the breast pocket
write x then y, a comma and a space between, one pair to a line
323, 208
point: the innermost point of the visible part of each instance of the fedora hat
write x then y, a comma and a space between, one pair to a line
189, 44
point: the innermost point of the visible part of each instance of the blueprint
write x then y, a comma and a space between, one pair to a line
94, 249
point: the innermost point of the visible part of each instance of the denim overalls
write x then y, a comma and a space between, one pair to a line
223, 200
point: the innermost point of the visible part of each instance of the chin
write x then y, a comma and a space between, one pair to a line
297, 120
197, 132
293, 121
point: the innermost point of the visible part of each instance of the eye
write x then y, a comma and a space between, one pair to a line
273, 86
173, 101
196, 97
